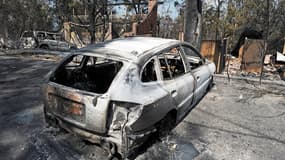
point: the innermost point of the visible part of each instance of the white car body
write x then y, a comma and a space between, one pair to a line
120, 91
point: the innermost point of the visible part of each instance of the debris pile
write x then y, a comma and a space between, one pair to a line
273, 68
172, 147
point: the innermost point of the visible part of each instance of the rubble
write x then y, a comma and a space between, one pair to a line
267, 59
252, 53
218, 128
270, 71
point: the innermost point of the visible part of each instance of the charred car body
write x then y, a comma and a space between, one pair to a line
119, 92
44, 40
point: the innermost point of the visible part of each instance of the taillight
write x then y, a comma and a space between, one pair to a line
123, 113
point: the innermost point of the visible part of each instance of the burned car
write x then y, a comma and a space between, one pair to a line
119, 92
44, 40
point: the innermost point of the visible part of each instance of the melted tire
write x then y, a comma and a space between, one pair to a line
166, 125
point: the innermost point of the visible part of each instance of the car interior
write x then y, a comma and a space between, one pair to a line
193, 58
149, 73
87, 73
171, 64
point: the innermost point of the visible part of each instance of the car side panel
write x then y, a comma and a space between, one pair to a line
77, 107
202, 78
153, 113
185, 89
156, 101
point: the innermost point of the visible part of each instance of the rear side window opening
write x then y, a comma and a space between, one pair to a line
149, 73
89, 73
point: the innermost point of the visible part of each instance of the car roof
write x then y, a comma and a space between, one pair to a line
131, 48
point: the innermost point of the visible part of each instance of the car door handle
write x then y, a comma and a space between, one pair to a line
174, 93
198, 78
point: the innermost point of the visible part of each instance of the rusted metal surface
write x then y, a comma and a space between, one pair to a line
214, 51
252, 54
209, 49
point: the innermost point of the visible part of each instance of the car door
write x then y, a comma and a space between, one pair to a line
199, 70
176, 78
161, 102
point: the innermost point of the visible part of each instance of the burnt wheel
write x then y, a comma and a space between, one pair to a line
51, 122
44, 47
116, 156
166, 124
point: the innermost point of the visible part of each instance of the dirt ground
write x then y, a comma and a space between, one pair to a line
236, 120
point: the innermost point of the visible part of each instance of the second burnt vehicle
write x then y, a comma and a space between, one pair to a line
119, 92
44, 40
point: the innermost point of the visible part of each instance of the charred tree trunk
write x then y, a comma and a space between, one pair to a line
217, 22
3, 20
193, 22
92, 21
267, 37
104, 18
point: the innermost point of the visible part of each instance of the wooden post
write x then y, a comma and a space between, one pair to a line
67, 31
267, 35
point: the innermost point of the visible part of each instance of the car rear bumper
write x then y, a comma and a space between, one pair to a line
122, 141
